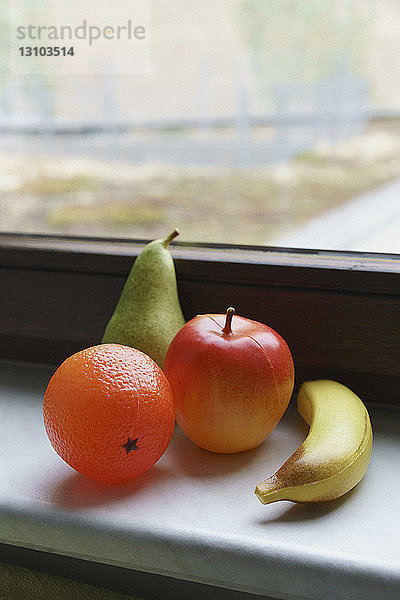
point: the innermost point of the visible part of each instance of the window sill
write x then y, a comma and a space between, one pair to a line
347, 548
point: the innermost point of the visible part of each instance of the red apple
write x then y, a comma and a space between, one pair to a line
231, 378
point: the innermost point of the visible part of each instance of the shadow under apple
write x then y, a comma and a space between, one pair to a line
196, 462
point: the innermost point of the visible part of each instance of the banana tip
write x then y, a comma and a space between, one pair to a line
260, 495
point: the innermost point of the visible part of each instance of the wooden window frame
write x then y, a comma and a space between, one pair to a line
338, 311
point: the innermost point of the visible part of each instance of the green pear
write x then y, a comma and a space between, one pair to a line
148, 313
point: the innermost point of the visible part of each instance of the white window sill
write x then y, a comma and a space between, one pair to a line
194, 516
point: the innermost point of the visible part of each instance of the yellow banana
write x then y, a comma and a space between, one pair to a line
335, 455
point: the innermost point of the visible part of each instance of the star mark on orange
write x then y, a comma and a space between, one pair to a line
130, 445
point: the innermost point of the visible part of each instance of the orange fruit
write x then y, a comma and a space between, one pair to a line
108, 412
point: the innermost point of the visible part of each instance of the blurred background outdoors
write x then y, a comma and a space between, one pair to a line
272, 122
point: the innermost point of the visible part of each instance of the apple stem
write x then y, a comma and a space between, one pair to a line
166, 241
228, 320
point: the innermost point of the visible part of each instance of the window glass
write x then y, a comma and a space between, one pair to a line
268, 122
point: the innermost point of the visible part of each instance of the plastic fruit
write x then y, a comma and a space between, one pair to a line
108, 412
148, 313
231, 378
335, 455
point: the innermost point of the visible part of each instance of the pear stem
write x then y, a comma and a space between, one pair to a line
228, 320
166, 241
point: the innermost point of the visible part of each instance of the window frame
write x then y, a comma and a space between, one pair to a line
338, 311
